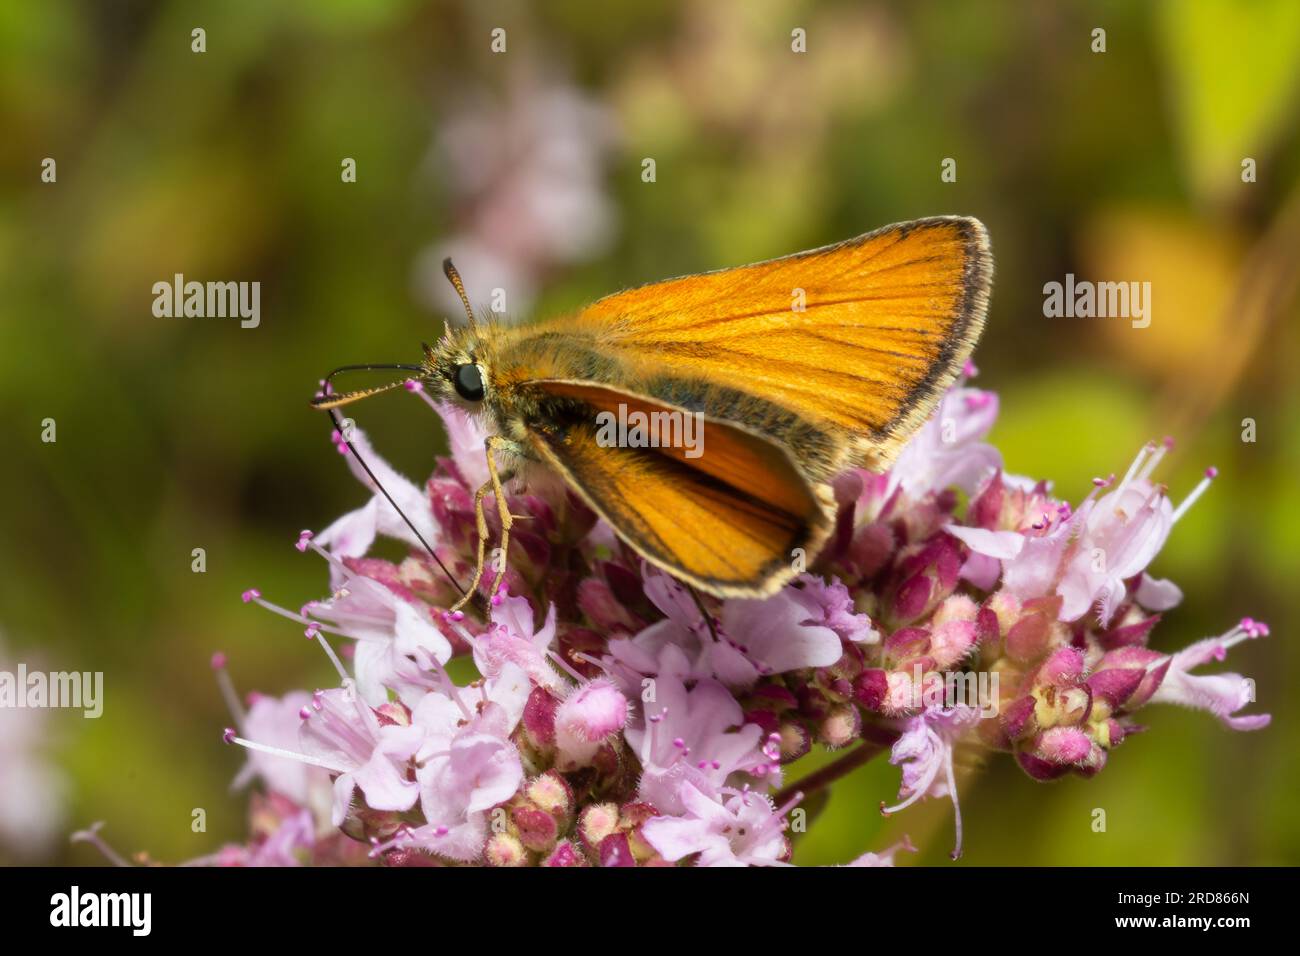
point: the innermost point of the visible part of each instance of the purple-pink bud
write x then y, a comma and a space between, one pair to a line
593, 711
987, 628
913, 595
1063, 745
986, 510
951, 641
615, 851
565, 854
589, 715
1039, 768
1129, 634
1115, 685
1142, 660
537, 829
1093, 763
1018, 718
1062, 668
539, 718
949, 564
907, 643
1027, 638
870, 688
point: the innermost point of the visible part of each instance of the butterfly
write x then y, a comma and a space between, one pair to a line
704, 417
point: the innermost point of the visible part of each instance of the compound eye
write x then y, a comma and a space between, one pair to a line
469, 383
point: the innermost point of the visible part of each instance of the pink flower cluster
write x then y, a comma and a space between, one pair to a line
612, 723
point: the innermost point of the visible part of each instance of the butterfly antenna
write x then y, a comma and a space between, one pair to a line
330, 402
454, 278
328, 398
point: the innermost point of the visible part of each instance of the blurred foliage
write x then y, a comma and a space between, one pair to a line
183, 433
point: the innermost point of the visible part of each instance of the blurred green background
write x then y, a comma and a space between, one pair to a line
174, 434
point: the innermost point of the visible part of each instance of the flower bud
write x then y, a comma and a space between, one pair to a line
505, 849
905, 645
1110, 688
1006, 606
795, 740
1027, 638
1039, 769
536, 829
951, 641
955, 607
870, 689
870, 550
912, 598
1017, 719
1055, 752
1138, 659
615, 851
588, 715
551, 792
840, 727
595, 823
1062, 668
985, 510
987, 629
1063, 745
1129, 635
1093, 763
539, 718
565, 854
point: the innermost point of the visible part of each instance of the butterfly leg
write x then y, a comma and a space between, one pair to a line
503, 510
480, 524
494, 487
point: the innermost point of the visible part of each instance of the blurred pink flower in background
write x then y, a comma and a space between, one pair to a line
525, 175
33, 791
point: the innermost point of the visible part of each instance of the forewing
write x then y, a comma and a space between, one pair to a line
863, 335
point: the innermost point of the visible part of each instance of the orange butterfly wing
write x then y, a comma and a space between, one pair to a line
726, 521
887, 321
